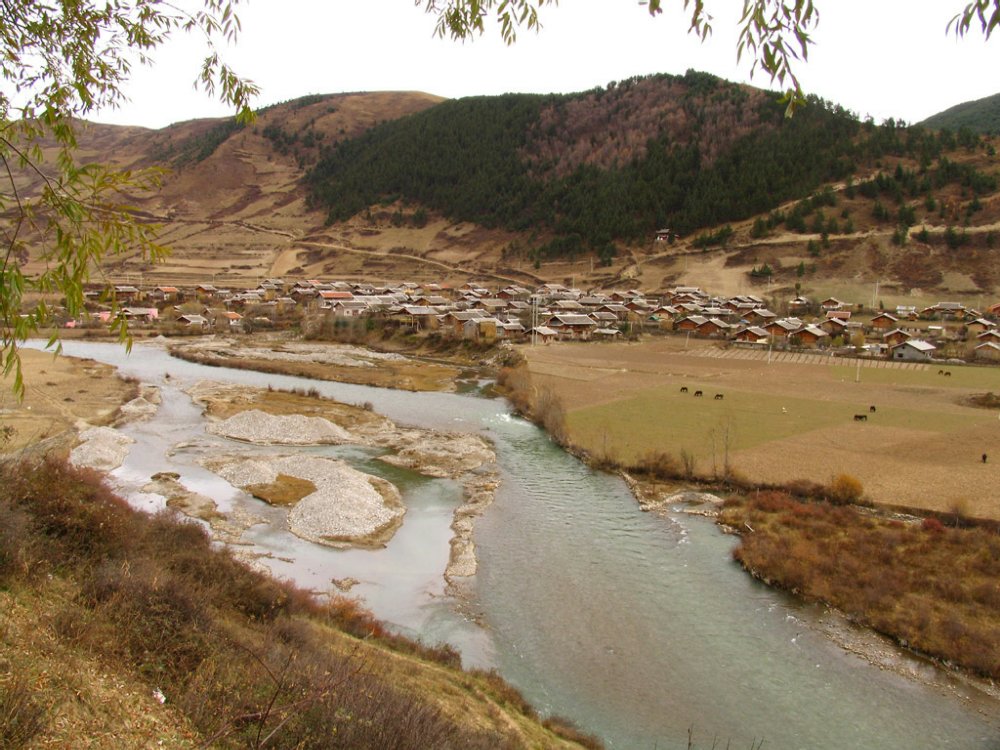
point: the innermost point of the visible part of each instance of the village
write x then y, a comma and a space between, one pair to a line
554, 312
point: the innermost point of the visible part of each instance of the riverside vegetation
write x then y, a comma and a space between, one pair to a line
932, 588
128, 630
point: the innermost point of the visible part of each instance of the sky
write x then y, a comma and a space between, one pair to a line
878, 58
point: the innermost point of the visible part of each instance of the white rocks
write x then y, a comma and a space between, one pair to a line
101, 448
255, 426
348, 506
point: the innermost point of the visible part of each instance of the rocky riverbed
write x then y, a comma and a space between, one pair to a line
347, 506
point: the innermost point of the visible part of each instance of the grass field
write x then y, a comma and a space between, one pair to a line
790, 418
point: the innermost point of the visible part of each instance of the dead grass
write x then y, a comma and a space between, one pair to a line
782, 422
91, 587
404, 374
60, 391
931, 587
284, 490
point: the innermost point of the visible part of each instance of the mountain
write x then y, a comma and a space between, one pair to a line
533, 188
980, 116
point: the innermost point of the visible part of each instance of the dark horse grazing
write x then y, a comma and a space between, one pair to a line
860, 417
684, 389
871, 408
718, 397
698, 393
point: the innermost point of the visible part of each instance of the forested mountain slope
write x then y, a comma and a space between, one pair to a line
571, 188
592, 168
980, 116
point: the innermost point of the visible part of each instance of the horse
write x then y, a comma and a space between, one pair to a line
860, 417
698, 393
718, 397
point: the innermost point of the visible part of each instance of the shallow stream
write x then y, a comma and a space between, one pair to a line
635, 626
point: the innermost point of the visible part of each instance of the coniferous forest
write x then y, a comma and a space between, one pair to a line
583, 171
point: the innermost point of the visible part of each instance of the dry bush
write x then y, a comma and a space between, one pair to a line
515, 381
659, 465
688, 462
845, 489
21, 718
931, 587
246, 659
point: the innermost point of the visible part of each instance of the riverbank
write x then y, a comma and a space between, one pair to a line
928, 589
345, 363
126, 630
283, 417
63, 397
775, 421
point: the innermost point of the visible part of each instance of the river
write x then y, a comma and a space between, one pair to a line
637, 627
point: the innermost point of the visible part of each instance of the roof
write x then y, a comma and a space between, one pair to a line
919, 345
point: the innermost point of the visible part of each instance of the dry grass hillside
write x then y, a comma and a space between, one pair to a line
240, 214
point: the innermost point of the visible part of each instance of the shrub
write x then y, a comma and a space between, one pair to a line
660, 465
845, 489
21, 719
932, 525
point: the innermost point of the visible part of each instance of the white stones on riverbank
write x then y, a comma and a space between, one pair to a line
261, 428
348, 506
338, 355
101, 448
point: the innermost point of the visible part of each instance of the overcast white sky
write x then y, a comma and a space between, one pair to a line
884, 58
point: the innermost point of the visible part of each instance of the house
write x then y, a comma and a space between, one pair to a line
752, 335
986, 337
193, 321
165, 294
572, 326
454, 321
884, 321
606, 334
206, 290
832, 303
782, 328
895, 337
713, 328
834, 326
810, 336
543, 335
419, 316
140, 314
759, 316
944, 310
914, 350
989, 351
799, 304
481, 329
231, 320
979, 325
126, 293
844, 315
690, 323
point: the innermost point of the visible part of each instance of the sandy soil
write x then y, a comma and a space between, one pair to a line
921, 450
63, 395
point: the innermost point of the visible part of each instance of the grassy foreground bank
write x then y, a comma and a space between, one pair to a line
122, 630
